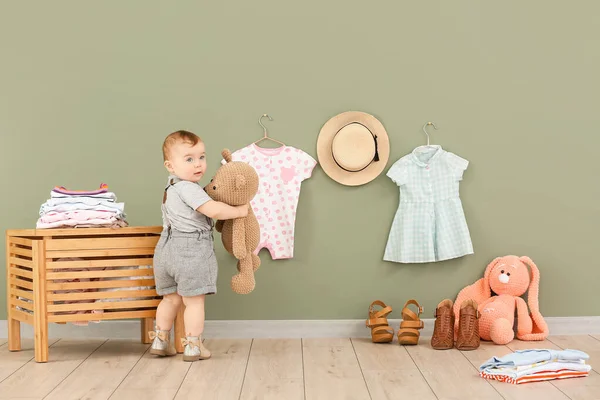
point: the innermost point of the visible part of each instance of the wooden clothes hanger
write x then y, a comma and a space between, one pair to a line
266, 136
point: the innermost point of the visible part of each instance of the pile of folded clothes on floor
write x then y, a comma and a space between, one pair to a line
536, 365
82, 209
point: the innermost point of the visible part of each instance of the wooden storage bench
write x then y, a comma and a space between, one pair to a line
80, 274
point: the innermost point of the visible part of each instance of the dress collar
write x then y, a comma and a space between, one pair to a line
436, 148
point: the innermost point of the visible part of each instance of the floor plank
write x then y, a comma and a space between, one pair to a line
584, 343
274, 370
538, 390
449, 373
3, 342
10, 361
36, 380
99, 375
153, 377
331, 370
389, 371
576, 388
221, 376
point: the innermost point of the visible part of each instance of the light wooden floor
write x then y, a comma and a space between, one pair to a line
282, 369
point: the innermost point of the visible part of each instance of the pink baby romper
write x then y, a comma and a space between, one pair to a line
281, 171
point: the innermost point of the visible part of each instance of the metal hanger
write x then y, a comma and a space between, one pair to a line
266, 136
425, 146
429, 123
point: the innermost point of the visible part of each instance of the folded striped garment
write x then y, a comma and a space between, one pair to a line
536, 365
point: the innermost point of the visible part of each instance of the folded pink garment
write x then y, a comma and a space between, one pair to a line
71, 223
81, 215
61, 189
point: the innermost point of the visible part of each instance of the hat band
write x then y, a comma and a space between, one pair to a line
375, 157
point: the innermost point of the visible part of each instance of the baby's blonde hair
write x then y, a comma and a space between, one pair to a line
176, 137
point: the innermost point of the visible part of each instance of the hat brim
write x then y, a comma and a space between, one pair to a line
325, 155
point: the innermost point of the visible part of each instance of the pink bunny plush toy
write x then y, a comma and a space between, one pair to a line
509, 278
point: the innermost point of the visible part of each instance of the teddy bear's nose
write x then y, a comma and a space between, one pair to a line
503, 278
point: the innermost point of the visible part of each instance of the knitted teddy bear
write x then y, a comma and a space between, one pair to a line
509, 279
236, 183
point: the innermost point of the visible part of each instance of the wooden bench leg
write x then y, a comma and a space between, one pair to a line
179, 329
147, 326
40, 310
14, 334
40, 328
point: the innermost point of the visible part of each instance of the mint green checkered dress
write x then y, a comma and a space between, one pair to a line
430, 223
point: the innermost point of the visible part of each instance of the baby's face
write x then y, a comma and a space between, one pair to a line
187, 162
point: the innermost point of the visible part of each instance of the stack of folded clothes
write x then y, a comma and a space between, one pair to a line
535, 365
81, 209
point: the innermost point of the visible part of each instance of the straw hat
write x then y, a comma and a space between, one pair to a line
353, 148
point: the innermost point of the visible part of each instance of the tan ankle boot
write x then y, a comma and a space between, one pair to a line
194, 350
161, 343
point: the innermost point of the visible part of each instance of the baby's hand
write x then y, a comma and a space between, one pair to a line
242, 210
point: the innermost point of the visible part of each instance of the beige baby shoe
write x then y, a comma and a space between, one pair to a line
194, 350
161, 343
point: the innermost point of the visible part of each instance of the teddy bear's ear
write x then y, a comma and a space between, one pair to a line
240, 181
226, 155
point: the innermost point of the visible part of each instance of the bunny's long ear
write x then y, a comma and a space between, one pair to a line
486, 277
539, 329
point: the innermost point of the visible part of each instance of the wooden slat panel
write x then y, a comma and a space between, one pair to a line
102, 295
103, 317
155, 229
101, 243
22, 304
20, 241
22, 293
22, 316
102, 305
21, 283
126, 262
22, 262
21, 251
137, 251
21, 272
100, 284
115, 273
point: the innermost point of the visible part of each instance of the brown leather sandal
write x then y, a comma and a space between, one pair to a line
381, 331
408, 334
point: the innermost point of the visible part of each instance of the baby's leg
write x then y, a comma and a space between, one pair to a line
165, 315
193, 316
167, 310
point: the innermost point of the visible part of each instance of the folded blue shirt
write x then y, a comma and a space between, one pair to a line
532, 356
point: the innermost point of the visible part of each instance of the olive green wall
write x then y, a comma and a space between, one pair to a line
88, 91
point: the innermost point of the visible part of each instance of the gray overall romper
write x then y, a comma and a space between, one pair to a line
184, 262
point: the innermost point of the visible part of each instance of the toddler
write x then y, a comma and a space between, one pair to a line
185, 266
